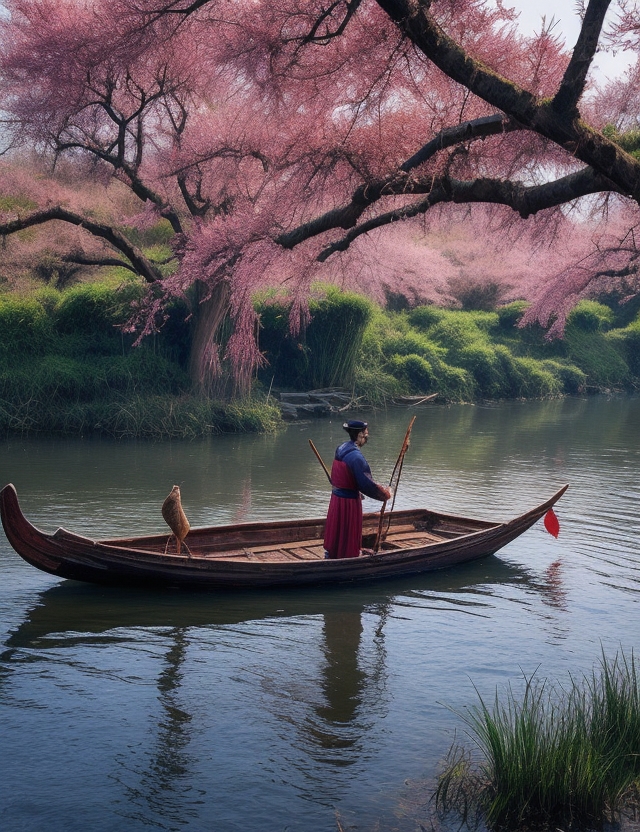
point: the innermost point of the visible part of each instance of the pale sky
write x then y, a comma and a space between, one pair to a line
568, 24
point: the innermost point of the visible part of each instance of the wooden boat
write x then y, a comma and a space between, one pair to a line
283, 553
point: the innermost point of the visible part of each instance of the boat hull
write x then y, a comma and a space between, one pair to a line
262, 555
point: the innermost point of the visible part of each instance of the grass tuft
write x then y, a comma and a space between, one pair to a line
556, 758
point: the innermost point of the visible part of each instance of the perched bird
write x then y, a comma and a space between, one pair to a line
176, 518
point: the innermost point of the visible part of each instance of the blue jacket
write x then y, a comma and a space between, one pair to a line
352, 456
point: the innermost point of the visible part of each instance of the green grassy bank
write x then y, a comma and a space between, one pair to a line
67, 367
464, 356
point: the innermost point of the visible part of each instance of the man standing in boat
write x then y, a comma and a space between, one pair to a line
350, 479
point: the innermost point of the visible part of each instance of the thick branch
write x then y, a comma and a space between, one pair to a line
478, 128
414, 19
138, 261
197, 206
526, 200
575, 76
346, 216
545, 118
315, 37
85, 260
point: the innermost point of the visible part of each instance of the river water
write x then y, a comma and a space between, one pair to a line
302, 710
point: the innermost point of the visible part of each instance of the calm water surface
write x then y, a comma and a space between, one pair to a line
299, 710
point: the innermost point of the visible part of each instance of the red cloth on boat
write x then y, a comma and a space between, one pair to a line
343, 529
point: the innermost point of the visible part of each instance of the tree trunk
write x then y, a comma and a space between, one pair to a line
205, 361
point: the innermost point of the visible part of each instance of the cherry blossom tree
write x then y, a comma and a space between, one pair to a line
291, 141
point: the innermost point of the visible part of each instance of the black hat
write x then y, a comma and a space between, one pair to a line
355, 424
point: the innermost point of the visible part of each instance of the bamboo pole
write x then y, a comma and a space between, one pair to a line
397, 467
315, 450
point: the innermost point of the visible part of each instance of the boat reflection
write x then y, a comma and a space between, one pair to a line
80, 612
342, 679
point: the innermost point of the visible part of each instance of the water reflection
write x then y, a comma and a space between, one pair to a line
342, 679
556, 592
351, 689
329, 713
72, 611
167, 779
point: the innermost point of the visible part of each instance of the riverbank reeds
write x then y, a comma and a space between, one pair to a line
67, 368
561, 757
326, 352
137, 416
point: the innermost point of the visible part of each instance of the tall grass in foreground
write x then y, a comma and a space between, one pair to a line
559, 758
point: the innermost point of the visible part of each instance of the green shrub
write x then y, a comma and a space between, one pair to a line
58, 379
424, 317
414, 370
482, 361
326, 354
572, 379
457, 330
25, 328
410, 343
281, 351
627, 342
454, 384
498, 374
534, 380
598, 356
590, 316
510, 315
142, 371
334, 337
377, 387
95, 309
88, 319
383, 327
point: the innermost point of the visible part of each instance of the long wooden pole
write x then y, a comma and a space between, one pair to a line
397, 467
315, 450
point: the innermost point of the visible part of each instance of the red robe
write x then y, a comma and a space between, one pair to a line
350, 476
343, 530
